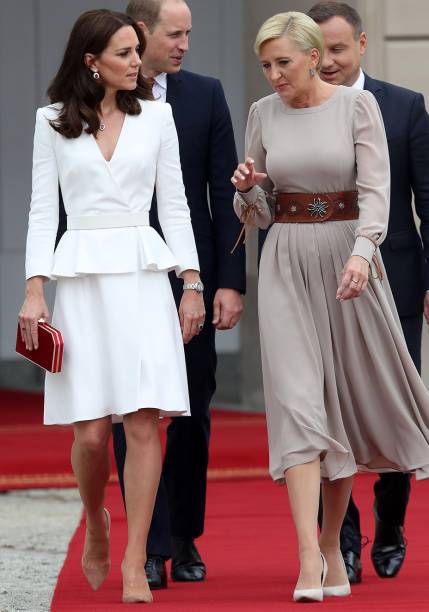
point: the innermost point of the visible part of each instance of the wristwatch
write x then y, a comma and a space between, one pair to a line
198, 286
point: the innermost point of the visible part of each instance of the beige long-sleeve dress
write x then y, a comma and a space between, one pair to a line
339, 382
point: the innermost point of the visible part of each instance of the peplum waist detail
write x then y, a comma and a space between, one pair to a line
112, 251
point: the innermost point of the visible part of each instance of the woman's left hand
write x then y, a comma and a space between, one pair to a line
192, 314
354, 278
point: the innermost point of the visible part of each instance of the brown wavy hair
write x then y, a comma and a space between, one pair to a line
75, 87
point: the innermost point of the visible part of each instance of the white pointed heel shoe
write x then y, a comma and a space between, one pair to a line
309, 595
343, 590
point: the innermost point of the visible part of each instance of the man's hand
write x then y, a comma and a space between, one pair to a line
227, 308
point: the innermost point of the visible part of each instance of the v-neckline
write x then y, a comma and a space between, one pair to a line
108, 161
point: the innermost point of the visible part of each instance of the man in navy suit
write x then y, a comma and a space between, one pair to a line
407, 129
208, 159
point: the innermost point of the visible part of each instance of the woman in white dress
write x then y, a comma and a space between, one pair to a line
108, 146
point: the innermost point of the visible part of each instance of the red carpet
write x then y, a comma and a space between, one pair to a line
249, 544
33, 455
250, 549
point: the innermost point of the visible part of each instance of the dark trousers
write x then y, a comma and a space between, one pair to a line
181, 498
392, 490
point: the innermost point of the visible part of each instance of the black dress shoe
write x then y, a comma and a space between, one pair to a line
353, 566
155, 572
186, 563
388, 550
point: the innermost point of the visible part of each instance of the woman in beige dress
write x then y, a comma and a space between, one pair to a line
341, 390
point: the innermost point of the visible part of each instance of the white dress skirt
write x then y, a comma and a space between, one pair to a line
123, 348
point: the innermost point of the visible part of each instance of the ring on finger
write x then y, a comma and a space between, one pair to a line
353, 280
200, 326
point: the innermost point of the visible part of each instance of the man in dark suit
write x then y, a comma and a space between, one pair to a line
407, 129
208, 159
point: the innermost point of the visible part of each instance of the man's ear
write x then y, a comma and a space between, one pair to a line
362, 43
90, 60
143, 27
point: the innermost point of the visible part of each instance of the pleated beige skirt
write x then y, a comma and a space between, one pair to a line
339, 382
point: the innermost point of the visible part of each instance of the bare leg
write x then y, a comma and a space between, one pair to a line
303, 482
141, 475
336, 495
91, 465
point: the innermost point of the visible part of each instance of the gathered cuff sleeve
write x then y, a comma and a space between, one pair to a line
254, 207
364, 247
372, 175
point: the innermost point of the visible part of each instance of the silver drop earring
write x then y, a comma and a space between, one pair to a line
312, 72
96, 75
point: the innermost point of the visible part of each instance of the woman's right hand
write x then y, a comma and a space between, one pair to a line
245, 177
33, 309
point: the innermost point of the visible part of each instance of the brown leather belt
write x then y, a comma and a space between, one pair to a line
316, 207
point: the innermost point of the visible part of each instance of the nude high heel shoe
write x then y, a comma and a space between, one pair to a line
96, 573
135, 590
309, 595
343, 590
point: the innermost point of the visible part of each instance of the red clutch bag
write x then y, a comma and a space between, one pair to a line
49, 355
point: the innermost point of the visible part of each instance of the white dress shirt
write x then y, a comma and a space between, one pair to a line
360, 81
160, 87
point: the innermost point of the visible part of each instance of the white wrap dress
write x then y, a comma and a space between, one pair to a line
123, 349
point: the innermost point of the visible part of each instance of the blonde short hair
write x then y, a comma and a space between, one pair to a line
299, 27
